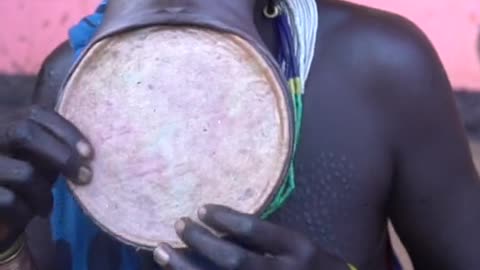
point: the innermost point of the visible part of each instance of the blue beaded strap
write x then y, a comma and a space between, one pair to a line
289, 62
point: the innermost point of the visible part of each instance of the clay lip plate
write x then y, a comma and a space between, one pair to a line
179, 117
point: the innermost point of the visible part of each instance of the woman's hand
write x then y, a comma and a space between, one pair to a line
252, 244
36, 146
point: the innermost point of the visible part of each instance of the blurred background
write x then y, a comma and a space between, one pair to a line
33, 28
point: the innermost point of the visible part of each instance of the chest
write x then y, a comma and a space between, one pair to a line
343, 136
343, 168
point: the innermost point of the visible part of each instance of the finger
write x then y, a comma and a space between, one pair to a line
169, 258
14, 217
252, 231
19, 177
63, 129
41, 196
221, 252
36, 143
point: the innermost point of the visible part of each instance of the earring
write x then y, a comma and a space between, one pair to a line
272, 9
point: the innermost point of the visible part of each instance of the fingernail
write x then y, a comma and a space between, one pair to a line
84, 149
202, 212
84, 176
161, 256
180, 226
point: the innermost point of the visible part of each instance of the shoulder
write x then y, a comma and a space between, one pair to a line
52, 74
390, 63
394, 57
382, 41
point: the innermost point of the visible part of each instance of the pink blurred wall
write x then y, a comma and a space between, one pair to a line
32, 28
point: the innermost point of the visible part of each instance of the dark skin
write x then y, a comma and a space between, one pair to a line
28, 135
381, 140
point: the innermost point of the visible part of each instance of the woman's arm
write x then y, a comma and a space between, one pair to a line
37, 249
52, 74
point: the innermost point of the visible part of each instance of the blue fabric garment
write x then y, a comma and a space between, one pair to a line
81, 34
83, 245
